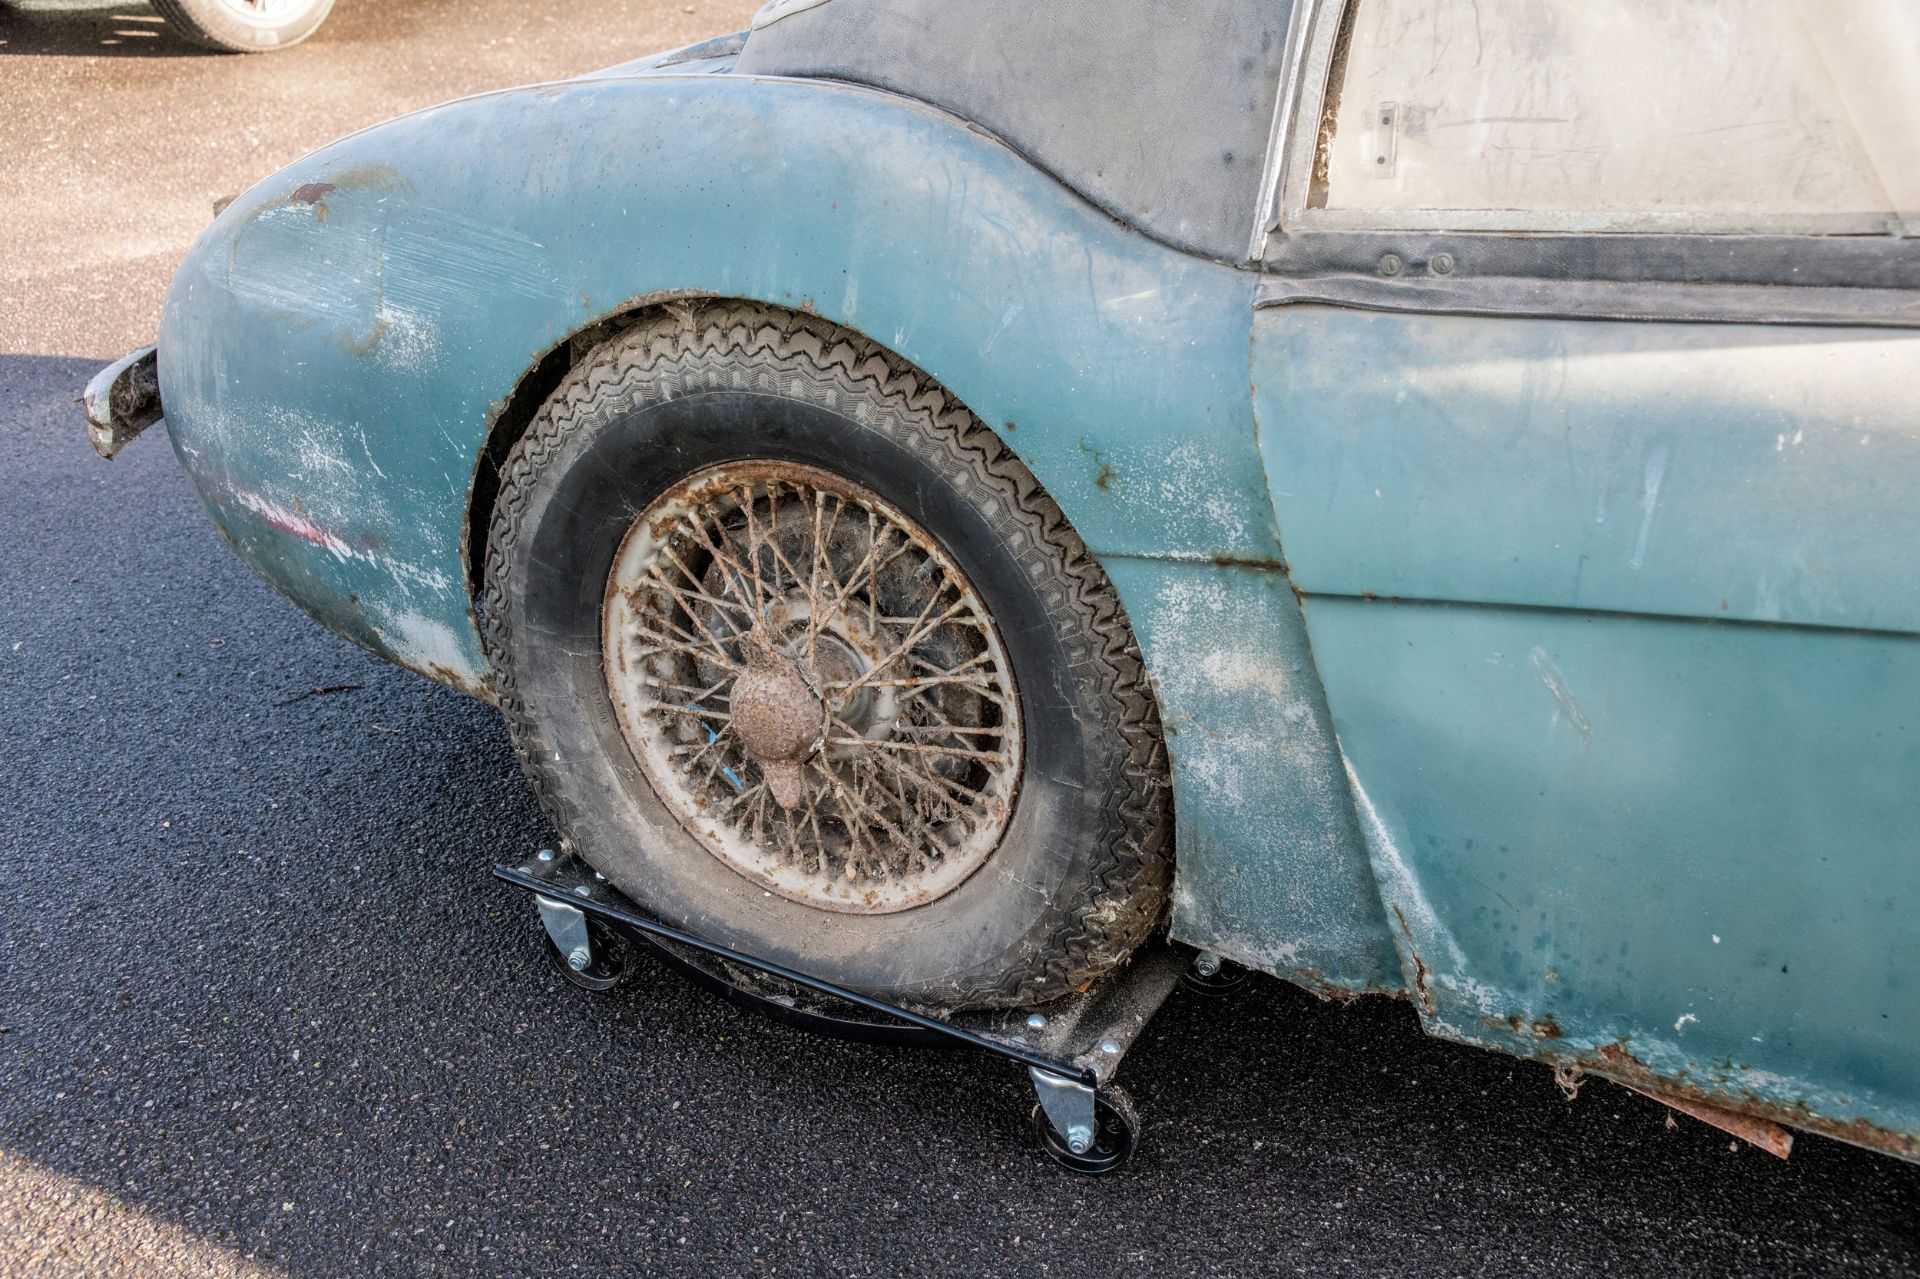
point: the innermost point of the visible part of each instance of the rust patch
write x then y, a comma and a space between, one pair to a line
312, 192
1538, 1028
1316, 984
1267, 563
1764, 1133
1617, 1063
359, 347
1420, 989
1104, 476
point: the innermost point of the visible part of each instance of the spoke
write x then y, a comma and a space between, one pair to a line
693, 615
697, 712
919, 634
728, 564
668, 551
914, 681
682, 593
860, 810
749, 796
771, 542
924, 809
958, 794
890, 811
814, 610
948, 726
905, 769
699, 694
930, 748
684, 643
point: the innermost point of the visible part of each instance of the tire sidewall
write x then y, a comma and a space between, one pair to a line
564, 524
212, 23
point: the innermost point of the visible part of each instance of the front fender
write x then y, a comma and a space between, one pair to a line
338, 341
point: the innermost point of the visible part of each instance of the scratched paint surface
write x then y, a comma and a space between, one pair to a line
1681, 845
1272, 869
336, 344
1692, 841
1758, 472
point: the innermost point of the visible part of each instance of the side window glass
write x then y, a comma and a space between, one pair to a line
1786, 115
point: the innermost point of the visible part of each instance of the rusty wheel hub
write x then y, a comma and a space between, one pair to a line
812, 687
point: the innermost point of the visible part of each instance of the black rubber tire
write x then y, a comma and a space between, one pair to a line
1080, 877
209, 23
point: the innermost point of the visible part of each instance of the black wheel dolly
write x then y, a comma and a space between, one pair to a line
1072, 1048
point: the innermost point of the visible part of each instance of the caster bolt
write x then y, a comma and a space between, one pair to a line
1037, 1022
1109, 1046
578, 958
545, 854
1208, 965
1079, 1139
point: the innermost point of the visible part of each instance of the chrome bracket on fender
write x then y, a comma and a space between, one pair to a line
1071, 1047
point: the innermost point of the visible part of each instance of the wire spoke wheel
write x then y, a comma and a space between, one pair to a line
812, 687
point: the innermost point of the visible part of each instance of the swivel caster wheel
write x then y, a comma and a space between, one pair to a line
601, 965
591, 955
1115, 1131
1213, 977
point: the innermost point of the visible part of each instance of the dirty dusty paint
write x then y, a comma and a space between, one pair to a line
1691, 834
331, 381
1272, 870
346, 366
1741, 472
1698, 837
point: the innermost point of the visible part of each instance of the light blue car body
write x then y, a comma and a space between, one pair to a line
1559, 674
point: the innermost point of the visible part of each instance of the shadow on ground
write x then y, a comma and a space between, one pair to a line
90, 29
256, 982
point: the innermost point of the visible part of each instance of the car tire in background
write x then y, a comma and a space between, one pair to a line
245, 26
800, 657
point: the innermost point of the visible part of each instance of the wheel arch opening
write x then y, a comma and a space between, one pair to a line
518, 410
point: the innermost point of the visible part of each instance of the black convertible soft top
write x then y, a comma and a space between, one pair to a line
1156, 110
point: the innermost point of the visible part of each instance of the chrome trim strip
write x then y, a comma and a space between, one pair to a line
1266, 213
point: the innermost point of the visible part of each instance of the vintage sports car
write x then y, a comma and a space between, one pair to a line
1410, 497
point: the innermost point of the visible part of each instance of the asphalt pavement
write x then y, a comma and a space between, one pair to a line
264, 1012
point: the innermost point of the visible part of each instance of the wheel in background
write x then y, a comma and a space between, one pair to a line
245, 26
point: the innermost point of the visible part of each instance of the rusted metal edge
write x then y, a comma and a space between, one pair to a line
122, 400
1614, 1062
1764, 1133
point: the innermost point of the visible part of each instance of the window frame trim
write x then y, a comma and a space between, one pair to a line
1301, 105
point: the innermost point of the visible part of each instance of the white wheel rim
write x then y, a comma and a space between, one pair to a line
907, 784
269, 13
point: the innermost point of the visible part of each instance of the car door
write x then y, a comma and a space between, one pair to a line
1584, 368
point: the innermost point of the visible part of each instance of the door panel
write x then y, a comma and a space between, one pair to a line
1616, 624
1689, 843
1756, 472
